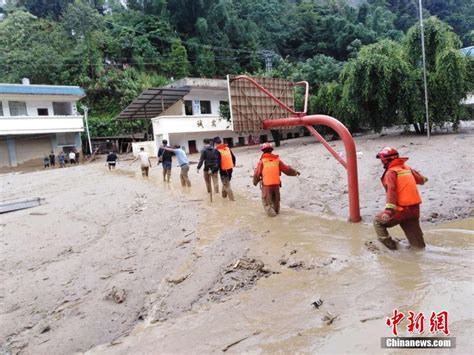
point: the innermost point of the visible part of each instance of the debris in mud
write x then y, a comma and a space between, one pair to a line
318, 303
139, 204
188, 234
372, 247
43, 328
117, 294
178, 280
239, 341
292, 263
242, 274
329, 318
371, 318
186, 241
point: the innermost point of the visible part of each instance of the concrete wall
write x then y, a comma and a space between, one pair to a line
150, 148
33, 102
32, 147
4, 157
208, 95
18, 150
40, 124
32, 123
177, 109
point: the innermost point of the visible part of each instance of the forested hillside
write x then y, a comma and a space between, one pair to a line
360, 57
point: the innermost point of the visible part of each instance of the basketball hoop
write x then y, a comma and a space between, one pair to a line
267, 103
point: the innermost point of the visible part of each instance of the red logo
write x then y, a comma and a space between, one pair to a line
393, 321
439, 322
416, 322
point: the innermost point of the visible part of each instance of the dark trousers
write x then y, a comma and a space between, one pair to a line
408, 219
271, 199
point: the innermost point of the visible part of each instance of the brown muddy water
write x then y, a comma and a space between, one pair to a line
317, 257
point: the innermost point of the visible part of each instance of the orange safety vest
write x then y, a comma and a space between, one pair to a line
407, 192
226, 157
271, 169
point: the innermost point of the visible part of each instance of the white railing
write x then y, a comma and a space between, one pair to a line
40, 124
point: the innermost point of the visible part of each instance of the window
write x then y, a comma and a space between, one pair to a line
205, 107
188, 107
1, 109
43, 112
62, 108
66, 139
17, 108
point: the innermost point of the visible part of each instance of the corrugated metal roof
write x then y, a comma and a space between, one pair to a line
153, 102
41, 90
468, 51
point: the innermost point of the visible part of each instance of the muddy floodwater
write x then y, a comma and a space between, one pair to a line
323, 259
115, 263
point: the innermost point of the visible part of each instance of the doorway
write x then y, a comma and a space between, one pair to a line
192, 147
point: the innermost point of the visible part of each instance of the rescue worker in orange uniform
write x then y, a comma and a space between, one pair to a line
268, 171
226, 162
402, 200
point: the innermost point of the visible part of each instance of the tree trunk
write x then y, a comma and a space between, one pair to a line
417, 128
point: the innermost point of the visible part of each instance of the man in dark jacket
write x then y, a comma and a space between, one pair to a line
166, 158
209, 159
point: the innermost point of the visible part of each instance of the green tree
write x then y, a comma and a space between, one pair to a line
318, 70
447, 72
31, 47
178, 64
372, 84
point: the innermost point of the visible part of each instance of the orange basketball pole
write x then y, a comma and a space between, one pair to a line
351, 163
302, 119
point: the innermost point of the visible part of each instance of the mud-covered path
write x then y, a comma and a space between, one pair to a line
181, 264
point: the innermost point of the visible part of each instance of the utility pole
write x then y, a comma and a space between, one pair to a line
86, 111
268, 57
424, 70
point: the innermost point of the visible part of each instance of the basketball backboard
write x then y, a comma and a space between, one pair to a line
249, 106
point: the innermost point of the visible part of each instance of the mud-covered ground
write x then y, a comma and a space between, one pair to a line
143, 266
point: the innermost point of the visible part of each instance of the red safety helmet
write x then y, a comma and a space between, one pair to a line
266, 146
387, 154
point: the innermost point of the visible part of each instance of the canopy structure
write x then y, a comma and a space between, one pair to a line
152, 102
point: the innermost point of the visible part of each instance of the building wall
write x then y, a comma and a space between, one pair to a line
177, 109
208, 95
4, 157
34, 102
32, 147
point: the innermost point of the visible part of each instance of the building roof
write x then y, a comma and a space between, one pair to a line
468, 51
41, 90
152, 102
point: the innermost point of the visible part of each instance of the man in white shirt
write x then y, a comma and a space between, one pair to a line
144, 161
72, 158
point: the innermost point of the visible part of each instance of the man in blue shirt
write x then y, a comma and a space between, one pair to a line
182, 162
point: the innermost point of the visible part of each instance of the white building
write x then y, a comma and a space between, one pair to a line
38, 119
187, 111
